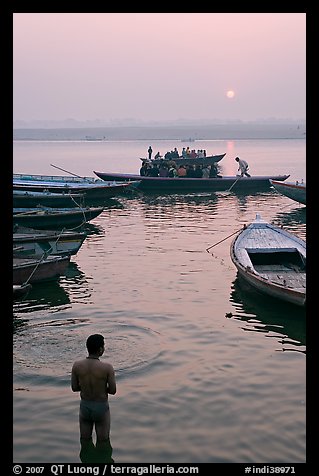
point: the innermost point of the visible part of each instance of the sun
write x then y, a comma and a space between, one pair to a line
230, 94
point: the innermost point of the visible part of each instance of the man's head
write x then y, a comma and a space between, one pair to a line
94, 342
237, 159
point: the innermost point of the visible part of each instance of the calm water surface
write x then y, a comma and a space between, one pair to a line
208, 371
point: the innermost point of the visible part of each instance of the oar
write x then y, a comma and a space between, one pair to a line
233, 184
63, 170
223, 239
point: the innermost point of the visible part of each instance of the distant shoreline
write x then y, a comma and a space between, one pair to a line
176, 133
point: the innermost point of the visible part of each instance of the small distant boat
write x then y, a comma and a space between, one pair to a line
20, 290
35, 243
54, 218
93, 138
190, 139
27, 199
271, 260
294, 190
30, 270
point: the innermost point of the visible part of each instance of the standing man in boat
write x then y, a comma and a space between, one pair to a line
150, 151
243, 167
95, 380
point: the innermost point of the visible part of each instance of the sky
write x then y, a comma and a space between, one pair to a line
157, 67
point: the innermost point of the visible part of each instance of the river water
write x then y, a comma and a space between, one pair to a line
207, 370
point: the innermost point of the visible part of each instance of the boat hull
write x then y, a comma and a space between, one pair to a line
35, 271
270, 289
186, 185
36, 243
90, 187
294, 190
56, 218
272, 261
29, 199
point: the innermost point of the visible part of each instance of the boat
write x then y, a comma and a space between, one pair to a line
30, 270
54, 218
21, 290
89, 186
27, 199
208, 160
294, 190
35, 243
272, 260
187, 185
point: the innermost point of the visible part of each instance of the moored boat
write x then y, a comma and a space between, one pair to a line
36, 243
30, 270
271, 260
187, 185
91, 187
54, 218
294, 190
27, 199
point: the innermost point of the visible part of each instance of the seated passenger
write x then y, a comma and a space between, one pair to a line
181, 171
153, 171
172, 172
198, 171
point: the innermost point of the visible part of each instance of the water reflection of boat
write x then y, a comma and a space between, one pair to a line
260, 315
43, 296
55, 295
297, 216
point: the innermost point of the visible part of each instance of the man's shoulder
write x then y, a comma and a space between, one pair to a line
79, 362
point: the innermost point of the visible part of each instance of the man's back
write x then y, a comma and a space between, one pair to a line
94, 379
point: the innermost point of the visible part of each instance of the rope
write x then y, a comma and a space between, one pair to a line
237, 231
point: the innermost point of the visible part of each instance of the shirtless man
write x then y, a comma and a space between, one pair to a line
94, 380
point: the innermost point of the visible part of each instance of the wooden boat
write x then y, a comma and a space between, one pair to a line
30, 270
271, 260
89, 186
20, 290
35, 243
27, 199
208, 160
54, 218
294, 190
186, 185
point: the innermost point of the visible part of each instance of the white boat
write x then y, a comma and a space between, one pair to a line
294, 190
272, 260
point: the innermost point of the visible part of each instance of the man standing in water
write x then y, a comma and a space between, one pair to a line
94, 380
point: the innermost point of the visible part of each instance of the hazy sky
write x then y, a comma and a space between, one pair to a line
159, 66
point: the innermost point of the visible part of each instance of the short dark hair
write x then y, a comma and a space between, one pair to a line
94, 342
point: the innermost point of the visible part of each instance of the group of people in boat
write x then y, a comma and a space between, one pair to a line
170, 169
174, 154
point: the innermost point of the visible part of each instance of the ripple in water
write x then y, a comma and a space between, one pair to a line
48, 349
